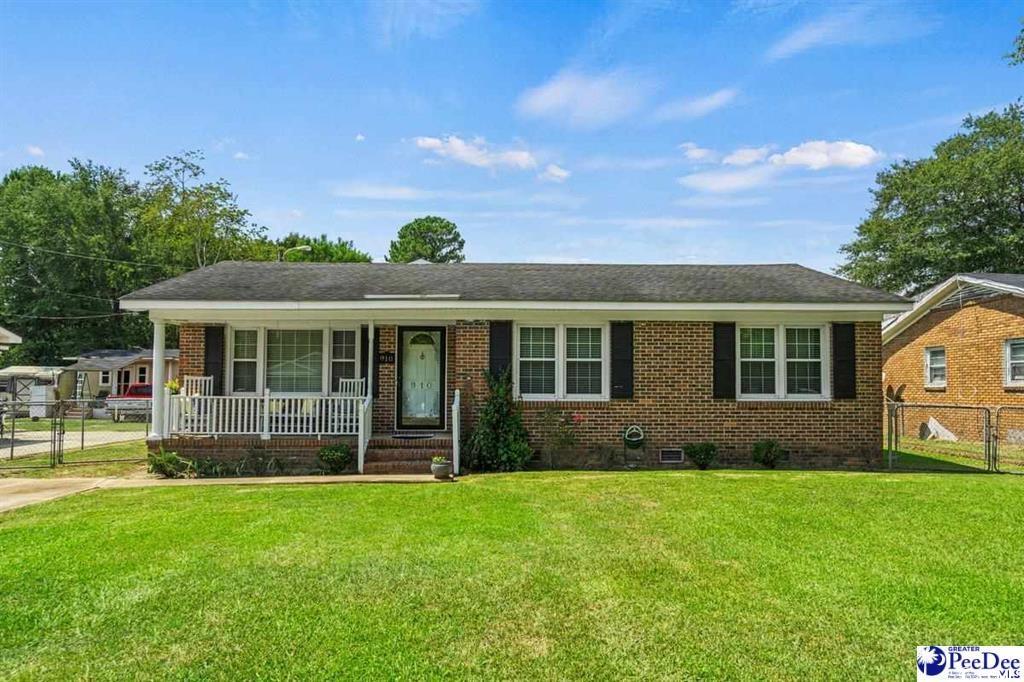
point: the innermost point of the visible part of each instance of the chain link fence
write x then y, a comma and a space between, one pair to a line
39, 434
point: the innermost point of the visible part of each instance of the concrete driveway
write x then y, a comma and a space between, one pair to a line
20, 492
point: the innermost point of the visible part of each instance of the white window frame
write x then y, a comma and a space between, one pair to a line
261, 356
1008, 381
560, 363
928, 383
357, 360
781, 383
140, 371
104, 373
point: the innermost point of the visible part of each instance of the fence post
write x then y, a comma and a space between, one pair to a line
82, 429
266, 415
14, 422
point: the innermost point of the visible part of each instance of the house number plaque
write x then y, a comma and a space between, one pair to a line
386, 358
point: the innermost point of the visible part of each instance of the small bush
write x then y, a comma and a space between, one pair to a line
701, 454
335, 458
169, 465
498, 443
439, 459
767, 453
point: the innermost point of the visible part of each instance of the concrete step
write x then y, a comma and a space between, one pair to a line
440, 441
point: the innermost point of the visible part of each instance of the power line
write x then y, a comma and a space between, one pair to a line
82, 255
66, 317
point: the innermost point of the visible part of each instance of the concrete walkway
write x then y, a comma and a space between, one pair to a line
21, 492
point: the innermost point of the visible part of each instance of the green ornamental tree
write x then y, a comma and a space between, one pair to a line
429, 238
322, 249
499, 439
959, 210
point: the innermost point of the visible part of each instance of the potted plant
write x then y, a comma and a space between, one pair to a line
441, 467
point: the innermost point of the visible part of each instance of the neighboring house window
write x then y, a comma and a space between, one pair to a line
935, 367
105, 377
757, 361
243, 361
343, 356
561, 362
537, 361
295, 360
583, 365
1015, 362
783, 362
143, 374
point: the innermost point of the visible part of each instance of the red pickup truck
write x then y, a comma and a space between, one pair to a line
136, 402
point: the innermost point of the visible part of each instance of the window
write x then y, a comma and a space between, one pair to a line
803, 361
537, 361
757, 360
583, 361
343, 356
935, 367
1015, 362
105, 377
295, 360
783, 362
561, 362
143, 374
243, 361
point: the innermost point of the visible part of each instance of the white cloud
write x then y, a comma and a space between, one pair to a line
642, 222
554, 173
240, 156
819, 154
360, 137
694, 152
728, 181
718, 201
476, 152
586, 101
296, 213
695, 107
397, 22
33, 150
863, 24
744, 156
369, 190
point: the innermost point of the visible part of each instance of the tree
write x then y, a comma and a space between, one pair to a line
429, 238
192, 223
322, 249
959, 210
1016, 56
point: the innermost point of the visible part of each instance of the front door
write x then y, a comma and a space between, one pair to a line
421, 357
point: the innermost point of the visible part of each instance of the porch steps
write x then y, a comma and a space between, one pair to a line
388, 455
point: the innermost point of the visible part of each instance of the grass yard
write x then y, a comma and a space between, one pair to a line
72, 425
95, 461
725, 574
938, 455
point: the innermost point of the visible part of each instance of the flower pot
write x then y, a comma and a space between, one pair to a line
441, 471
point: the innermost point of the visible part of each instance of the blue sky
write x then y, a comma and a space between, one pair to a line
655, 131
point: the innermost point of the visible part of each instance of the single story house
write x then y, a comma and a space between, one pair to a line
100, 373
8, 339
962, 343
393, 357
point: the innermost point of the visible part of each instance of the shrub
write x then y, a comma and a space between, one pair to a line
767, 453
439, 459
335, 458
169, 465
558, 433
701, 454
498, 443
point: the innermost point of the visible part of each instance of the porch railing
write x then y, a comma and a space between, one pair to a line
193, 385
265, 415
456, 431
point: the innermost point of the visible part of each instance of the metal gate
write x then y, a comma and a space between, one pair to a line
31, 434
1008, 439
936, 437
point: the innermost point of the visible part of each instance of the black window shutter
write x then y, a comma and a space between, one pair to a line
500, 347
622, 359
213, 357
376, 364
724, 361
844, 361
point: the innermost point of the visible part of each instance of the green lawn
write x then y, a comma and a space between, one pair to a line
938, 455
96, 461
726, 574
72, 425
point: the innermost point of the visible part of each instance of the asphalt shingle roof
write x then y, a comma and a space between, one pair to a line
262, 281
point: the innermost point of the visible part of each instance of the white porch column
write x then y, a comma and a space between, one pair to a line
156, 430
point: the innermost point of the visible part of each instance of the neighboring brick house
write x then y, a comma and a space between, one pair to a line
301, 354
961, 344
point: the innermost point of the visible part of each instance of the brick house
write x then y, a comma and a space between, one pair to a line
393, 357
962, 343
